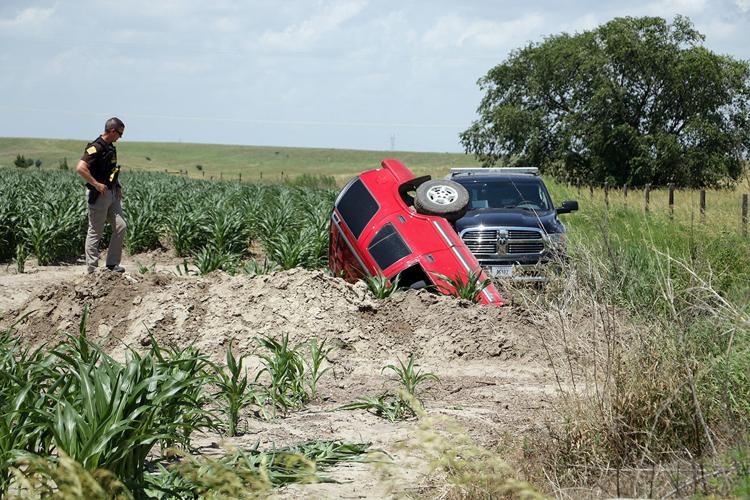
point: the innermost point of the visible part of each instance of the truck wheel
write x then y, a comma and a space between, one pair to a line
442, 197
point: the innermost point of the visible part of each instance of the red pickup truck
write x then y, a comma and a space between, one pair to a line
378, 227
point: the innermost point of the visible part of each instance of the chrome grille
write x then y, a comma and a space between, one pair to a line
520, 241
520, 234
529, 247
481, 241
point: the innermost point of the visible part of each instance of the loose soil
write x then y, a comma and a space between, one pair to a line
496, 380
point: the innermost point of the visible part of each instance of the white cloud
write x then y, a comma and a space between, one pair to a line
457, 31
585, 23
668, 8
67, 62
226, 24
718, 29
743, 5
183, 68
300, 36
30, 18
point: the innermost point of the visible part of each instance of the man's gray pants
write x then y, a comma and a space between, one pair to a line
107, 208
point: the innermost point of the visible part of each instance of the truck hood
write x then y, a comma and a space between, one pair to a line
510, 218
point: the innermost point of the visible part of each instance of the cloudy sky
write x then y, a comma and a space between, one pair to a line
361, 74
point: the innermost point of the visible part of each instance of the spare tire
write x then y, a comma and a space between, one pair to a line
442, 197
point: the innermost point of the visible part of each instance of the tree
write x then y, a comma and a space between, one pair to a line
22, 162
637, 100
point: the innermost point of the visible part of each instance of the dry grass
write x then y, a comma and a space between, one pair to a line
647, 407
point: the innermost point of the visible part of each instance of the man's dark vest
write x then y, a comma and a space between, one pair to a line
102, 162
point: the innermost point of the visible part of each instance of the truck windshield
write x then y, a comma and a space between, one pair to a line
523, 195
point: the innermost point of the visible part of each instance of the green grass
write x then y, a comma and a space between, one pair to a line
230, 161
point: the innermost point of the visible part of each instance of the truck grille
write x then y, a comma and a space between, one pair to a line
533, 247
520, 241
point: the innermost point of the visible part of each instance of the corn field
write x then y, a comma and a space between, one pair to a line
214, 225
76, 423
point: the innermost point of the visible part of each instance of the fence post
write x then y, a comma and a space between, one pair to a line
240, 176
578, 185
625, 193
204, 173
591, 190
606, 194
703, 205
221, 176
261, 175
671, 200
646, 197
744, 214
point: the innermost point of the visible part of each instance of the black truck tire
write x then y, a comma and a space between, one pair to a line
442, 197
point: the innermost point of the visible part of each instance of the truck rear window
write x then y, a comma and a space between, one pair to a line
387, 247
357, 207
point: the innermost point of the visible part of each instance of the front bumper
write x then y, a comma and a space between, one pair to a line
527, 273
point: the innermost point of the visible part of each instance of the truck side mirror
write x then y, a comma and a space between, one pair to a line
567, 207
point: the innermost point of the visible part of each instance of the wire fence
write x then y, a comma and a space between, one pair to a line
632, 197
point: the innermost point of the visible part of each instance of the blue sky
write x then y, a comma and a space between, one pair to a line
360, 74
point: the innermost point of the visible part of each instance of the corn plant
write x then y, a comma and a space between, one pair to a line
210, 259
254, 267
246, 473
318, 353
107, 414
288, 250
144, 269
400, 404
407, 375
23, 375
8, 222
388, 405
180, 363
234, 389
285, 369
21, 255
468, 288
144, 221
226, 231
315, 232
184, 270
41, 236
381, 287
184, 229
277, 218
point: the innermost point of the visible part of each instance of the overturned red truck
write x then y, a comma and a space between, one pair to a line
379, 228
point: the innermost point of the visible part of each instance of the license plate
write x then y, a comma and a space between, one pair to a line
501, 271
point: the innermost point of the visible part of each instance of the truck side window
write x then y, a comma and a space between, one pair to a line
387, 247
357, 207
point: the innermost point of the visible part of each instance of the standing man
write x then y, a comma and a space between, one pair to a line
98, 167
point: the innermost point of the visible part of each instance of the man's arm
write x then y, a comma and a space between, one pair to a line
82, 169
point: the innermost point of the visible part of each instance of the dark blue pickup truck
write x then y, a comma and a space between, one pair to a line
511, 225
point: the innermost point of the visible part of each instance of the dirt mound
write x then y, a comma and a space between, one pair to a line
210, 311
495, 377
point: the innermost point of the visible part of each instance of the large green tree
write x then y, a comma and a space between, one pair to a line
637, 100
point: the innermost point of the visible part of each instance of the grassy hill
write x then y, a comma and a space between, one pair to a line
230, 161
